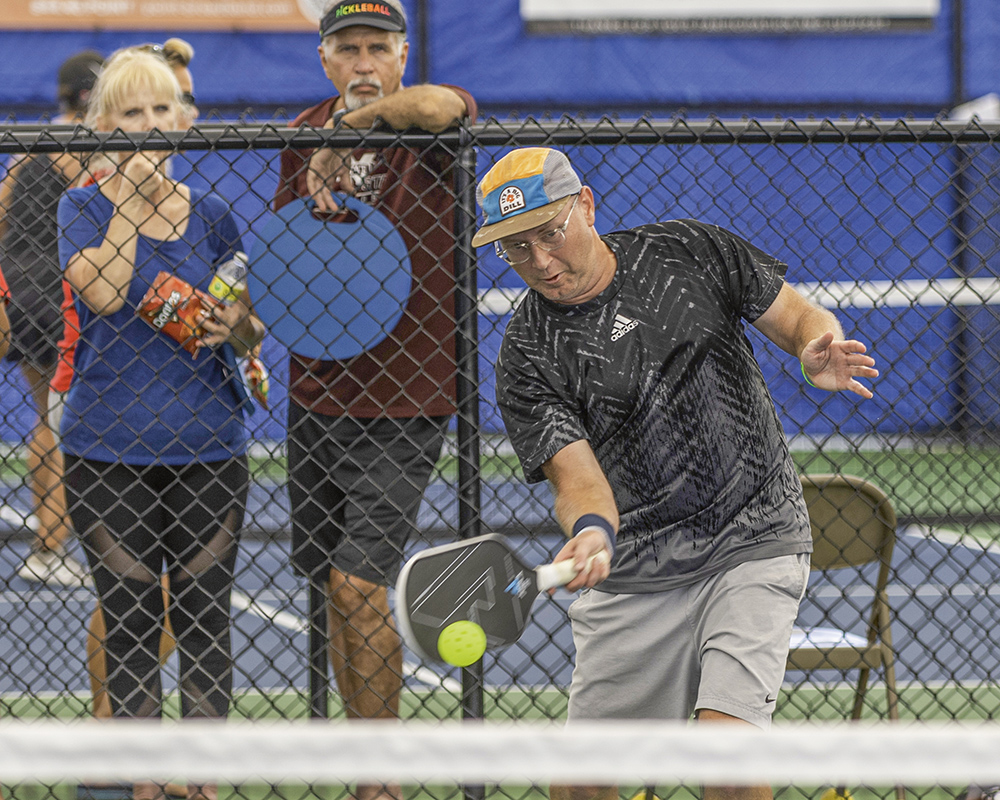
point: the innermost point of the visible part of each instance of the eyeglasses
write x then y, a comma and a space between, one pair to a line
519, 252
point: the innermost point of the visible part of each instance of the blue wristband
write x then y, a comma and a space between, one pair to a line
596, 521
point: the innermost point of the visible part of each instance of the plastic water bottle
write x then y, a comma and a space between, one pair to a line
227, 286
230, 279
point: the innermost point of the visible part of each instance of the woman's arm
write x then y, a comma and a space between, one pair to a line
101, 275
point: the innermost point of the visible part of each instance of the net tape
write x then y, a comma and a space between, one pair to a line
878, 754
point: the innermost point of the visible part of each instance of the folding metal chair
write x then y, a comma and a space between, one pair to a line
853, 524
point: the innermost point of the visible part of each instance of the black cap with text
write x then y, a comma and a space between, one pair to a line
374, 15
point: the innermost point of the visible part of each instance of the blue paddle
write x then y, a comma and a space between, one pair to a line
329, 288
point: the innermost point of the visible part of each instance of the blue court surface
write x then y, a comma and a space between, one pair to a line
43, 636
943, 593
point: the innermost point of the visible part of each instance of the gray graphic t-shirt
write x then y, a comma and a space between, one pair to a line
658, 375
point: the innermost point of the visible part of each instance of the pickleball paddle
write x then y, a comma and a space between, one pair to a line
329, 287
480, 579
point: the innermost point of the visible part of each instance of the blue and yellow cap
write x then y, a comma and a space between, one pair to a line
524, 189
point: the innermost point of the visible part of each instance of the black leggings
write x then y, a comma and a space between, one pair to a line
136, 521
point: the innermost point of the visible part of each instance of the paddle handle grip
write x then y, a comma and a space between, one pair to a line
549, 576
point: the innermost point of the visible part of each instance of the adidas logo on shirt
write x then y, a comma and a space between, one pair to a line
622, 326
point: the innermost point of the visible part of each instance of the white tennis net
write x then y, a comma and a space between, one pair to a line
915, 754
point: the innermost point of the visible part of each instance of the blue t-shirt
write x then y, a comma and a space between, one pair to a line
137, 396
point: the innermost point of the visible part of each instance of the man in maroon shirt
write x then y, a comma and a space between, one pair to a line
364, 433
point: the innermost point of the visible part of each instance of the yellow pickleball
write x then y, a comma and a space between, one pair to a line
462, 643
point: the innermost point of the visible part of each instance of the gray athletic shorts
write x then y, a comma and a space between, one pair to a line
720, 644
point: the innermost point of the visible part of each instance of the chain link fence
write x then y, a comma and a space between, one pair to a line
895, 225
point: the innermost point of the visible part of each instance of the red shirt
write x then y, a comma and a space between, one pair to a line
63, 376
4, 298
412, 372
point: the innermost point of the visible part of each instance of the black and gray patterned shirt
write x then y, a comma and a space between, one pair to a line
658, 375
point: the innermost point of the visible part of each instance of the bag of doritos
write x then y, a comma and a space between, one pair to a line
256, 379
173, 306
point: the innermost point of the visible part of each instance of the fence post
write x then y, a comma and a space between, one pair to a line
467, 342
467, 393
319, 677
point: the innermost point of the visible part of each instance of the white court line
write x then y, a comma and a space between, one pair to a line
864, 591
276, 616
295, 623
952, 538
501, 301
927, 589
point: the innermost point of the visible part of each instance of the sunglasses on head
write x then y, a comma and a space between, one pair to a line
157, 49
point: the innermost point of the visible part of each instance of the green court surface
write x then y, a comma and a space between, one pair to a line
943, 482
812, 701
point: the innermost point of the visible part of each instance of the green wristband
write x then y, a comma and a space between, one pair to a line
806, 376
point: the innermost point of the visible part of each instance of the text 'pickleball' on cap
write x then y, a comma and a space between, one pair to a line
524, 189
374, 15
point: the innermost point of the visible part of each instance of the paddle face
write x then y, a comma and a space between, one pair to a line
479, 579
329, 289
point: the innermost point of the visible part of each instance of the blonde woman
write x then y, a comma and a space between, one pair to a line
178, 54
153, 435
